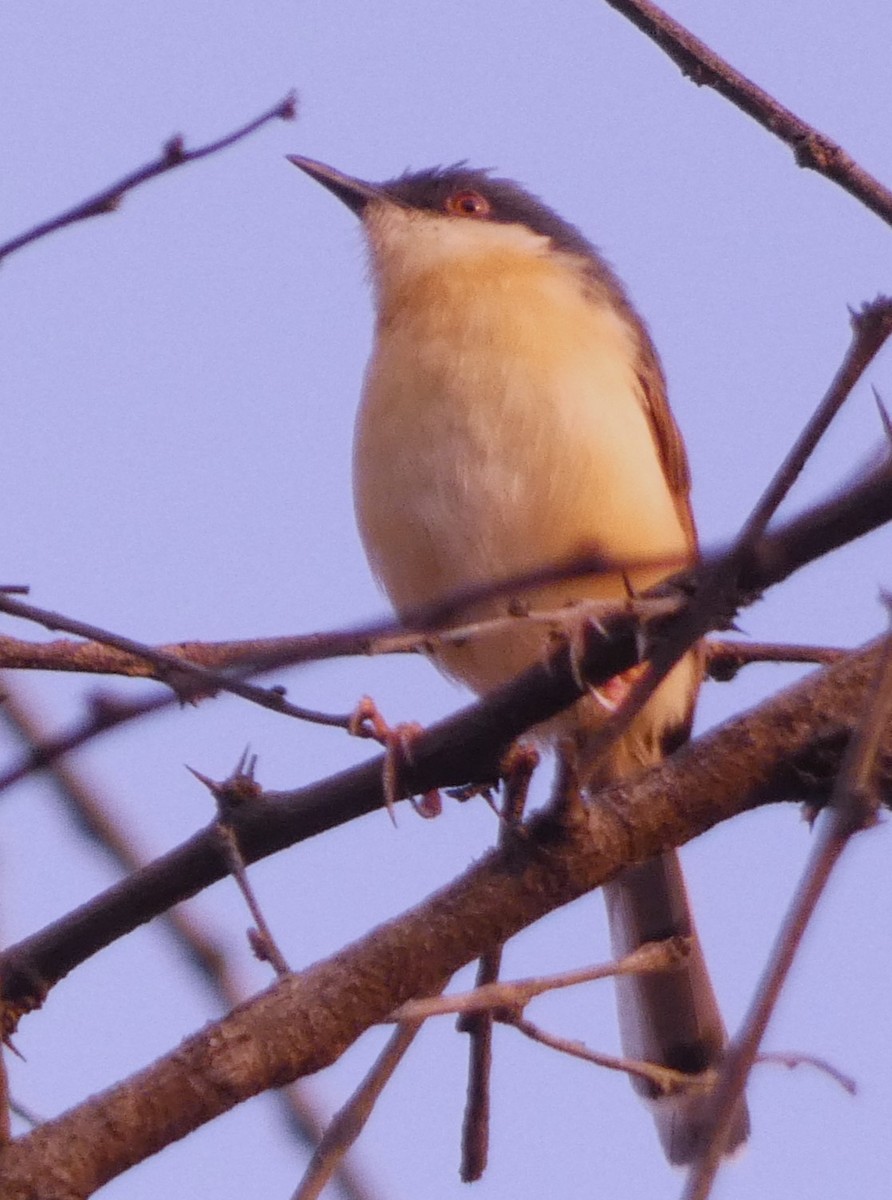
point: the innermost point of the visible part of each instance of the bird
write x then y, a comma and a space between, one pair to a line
514, 414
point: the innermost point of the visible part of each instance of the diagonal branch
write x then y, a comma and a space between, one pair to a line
811, 148
188, 680
853, 808
173, 155
789, 745
92, 812
864, 506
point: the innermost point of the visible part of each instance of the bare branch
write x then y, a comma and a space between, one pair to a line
725, 658
793, 1059
516, 994
853, 808
517, 771
173, 155
789, 746
475, 1122
188, 680
348, 1123
871, 327
5, 1102
811, 148
664, 1079
241, 788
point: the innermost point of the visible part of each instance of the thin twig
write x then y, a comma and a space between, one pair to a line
28, 1115
476, 1118
238, 789
853, 808
108, 652
652, 956
173, 155
871, 327
261, 938
863, 507
5, 1102
725, 658
188, 681
94, 815
794, 1059
664, 1079
517, 771
347, 1124
810, 147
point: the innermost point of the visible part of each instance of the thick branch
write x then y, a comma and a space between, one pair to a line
861, 508
789, 746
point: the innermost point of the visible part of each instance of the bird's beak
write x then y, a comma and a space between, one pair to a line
355, 193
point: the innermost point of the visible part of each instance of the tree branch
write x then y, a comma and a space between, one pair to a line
791, 745
173, 155
810, 147
610, 648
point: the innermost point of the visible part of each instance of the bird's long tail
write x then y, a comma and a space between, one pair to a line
669, 1017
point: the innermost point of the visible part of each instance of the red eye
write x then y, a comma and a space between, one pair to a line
467, 204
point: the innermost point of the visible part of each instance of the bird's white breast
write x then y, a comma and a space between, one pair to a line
502, 428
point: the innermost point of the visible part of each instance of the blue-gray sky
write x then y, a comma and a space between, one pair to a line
179, 384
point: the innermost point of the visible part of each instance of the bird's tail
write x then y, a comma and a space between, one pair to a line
669, 1017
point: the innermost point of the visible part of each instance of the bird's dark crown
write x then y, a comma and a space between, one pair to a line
509, 203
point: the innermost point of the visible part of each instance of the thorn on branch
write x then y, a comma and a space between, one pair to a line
884, 415
174, 150
238, 789
873, 320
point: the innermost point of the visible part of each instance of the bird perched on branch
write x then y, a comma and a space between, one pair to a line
514, 414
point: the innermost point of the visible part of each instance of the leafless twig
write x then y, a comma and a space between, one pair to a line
725, 658
348, 1123
653, 956
853, 809
108, 657
188, 680
517, 771
811, 148
664, 1079
791, 1060
93, 814
241, 788
173, 155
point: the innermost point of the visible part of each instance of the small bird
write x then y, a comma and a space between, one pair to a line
514, 414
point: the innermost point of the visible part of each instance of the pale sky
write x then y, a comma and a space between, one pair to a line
179, 386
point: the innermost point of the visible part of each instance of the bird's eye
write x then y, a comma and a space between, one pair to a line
467, 203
